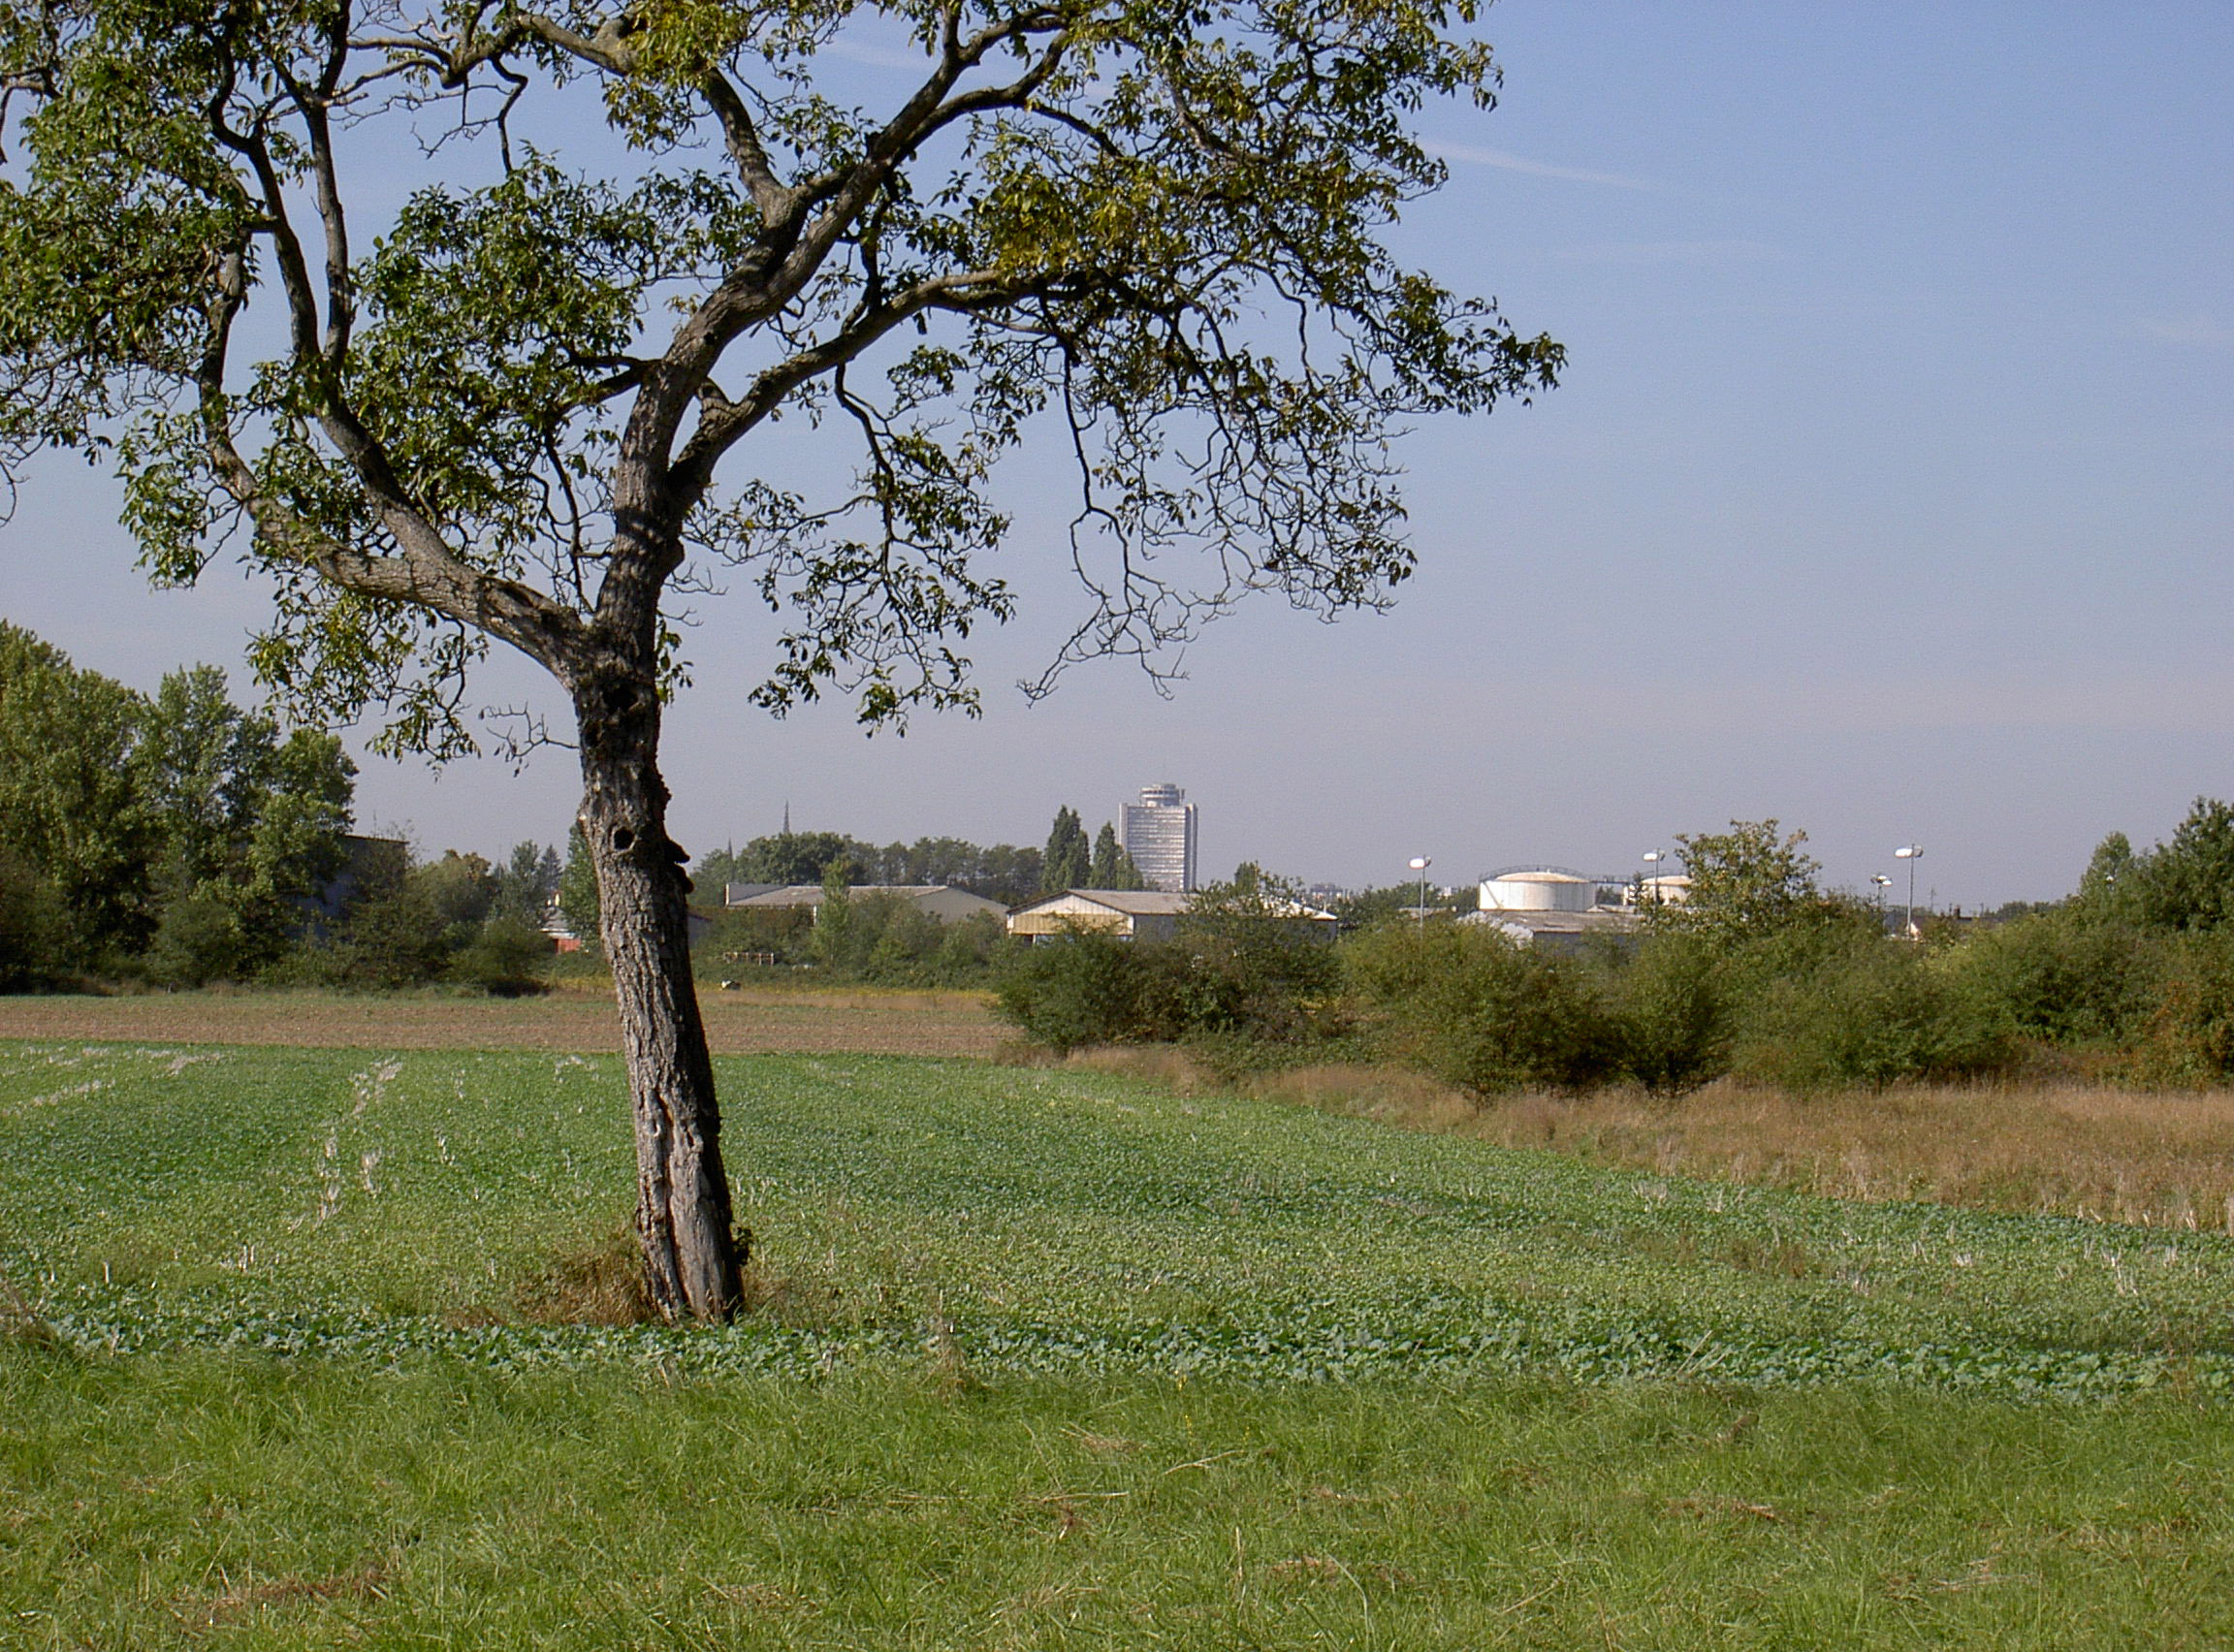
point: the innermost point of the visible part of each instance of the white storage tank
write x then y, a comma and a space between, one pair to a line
1539, 889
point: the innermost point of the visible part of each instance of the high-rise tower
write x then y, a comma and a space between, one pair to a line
1159, 833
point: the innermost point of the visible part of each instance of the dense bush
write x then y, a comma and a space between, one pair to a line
1821, 1004
1868, 1013
1671, 1003
2067, 976
1244, 981
1091, 988
201, 939
505, 958
2189, 1040
1471, 1008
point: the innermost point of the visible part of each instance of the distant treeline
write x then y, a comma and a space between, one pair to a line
1002, 873
1762, 975
174, 836
1005, 873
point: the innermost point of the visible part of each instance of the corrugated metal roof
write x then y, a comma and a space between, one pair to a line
1134, 903
811, 894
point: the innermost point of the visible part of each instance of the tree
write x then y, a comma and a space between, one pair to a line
2188, 883
2108, 889
249, 826
1068, 860
519, 412
1113, 868
70, 804
182, 821
521, 892
1745, 883
31, 924
833, 918
578, 888
794, 857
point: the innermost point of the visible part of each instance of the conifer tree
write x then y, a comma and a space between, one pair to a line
1068, 860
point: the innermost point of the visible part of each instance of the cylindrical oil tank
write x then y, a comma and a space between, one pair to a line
1544, 891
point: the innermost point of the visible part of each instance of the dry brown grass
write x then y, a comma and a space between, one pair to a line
2070, 1148
750, 1022
602, 1284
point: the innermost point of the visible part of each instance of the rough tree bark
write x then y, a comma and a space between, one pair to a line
692, 1256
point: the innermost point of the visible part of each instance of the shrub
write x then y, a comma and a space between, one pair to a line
505, 959
1471, 1008
199, 941
1246, 998
399, 936
1670, 1003
2188, 1041
2067, 976
1089, 988
1868, 1013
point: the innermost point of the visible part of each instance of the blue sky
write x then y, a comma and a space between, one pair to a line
1889, 493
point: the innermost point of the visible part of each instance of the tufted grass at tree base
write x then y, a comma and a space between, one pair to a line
240, 1502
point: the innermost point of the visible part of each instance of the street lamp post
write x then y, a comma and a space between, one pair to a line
1419, 865
1882, 883
1911, 853
1652, 859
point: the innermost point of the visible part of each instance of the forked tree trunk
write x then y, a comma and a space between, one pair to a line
692, 1255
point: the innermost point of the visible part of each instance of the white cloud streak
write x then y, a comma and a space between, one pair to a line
1502, 160
1698, 254
2199, 330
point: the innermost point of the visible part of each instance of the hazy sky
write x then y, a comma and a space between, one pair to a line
1889, 493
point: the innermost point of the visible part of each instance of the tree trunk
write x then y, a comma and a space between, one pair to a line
692, 1255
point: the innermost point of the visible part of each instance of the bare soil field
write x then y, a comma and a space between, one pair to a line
738, 1023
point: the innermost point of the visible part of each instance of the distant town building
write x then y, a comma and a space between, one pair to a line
1129, 914
1143, 914
1554, 906
1159, 833
1554, 930
932, 900
1669, 889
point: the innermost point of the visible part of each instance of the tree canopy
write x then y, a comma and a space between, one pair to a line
178, 819
535, 388
499, 411
1747, 882
1067, 861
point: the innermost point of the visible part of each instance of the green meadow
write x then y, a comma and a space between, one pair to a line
1049, 1358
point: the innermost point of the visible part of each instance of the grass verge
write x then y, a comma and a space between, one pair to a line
232, 1502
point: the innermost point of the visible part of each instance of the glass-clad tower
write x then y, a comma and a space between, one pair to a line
1159, 833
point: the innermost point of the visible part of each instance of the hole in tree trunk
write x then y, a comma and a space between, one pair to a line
624, 839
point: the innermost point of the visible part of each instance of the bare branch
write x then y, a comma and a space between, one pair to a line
743, 140
726, 421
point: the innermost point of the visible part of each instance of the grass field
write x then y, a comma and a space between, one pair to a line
1050, 1358
577, 1017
